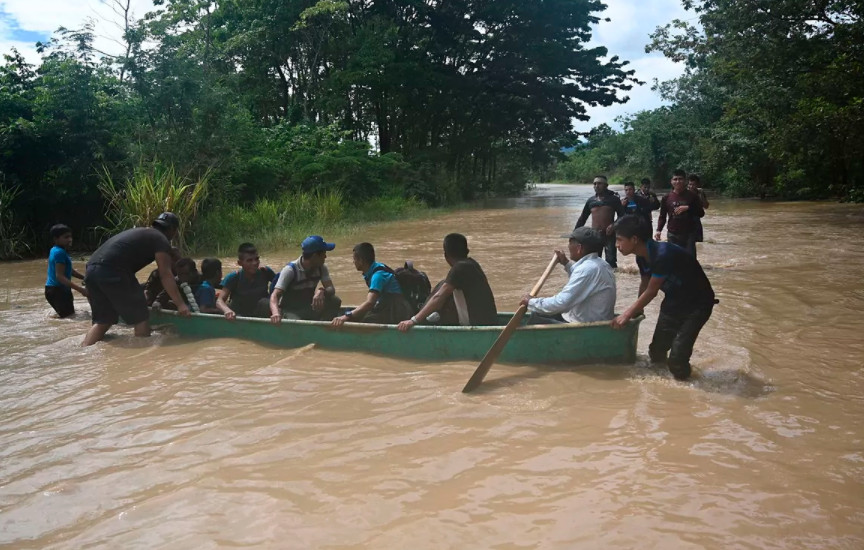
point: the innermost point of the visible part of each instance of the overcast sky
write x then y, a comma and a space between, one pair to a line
23, 22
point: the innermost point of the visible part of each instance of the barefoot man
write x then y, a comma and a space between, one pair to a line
602, 208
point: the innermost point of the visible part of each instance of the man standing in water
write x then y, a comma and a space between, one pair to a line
689, 297
682, 207
113, 291
646, 193
634, 204
693, 187
602, 208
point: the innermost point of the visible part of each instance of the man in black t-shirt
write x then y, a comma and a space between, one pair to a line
464, 297
689, 298
113, 291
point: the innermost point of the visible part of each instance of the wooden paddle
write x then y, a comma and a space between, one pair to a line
499, 344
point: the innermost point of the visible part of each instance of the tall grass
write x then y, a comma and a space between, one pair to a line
12, 241
151, 190
283, 222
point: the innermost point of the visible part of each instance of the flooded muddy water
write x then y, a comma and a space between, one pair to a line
173, 443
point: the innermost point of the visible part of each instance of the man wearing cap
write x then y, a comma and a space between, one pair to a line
297, 294
589, 294
113, 291
602, 208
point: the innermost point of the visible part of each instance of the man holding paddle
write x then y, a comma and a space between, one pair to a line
589, 294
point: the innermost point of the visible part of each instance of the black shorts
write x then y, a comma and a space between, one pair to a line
113, 294
61, 300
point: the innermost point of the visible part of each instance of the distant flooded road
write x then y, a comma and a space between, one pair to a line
171, 443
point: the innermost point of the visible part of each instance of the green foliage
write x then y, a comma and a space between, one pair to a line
405, 99
151, 190
12, 236
775, 89
283, 221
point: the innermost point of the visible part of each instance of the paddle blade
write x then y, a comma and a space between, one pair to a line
499, 344
494, 351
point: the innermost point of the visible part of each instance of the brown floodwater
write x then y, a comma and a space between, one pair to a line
172, 443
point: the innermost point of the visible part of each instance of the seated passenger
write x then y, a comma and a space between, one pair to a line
589, 294
385, 304
297, 295
185, 271
205, 294
464, 297
153, 285
246, 292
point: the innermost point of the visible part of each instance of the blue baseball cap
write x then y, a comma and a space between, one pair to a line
316, 243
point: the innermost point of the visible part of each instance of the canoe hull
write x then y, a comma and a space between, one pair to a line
540, 344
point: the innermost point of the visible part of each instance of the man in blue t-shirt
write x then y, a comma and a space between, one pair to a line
689, 298
634, 204
59, 284
385, 303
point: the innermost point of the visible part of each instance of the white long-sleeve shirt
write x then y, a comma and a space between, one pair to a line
588, 296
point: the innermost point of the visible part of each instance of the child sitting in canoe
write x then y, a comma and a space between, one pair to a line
246, 292
153, 285
297, 294
205, 294
185, 273
385, 303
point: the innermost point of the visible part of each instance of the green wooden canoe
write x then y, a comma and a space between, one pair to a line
536, 344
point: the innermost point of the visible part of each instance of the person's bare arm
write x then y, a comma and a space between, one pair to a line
78, 275
433, 304
163, 264
360, 311
275, 314
326, 290
222, 304
644, 299
61, 278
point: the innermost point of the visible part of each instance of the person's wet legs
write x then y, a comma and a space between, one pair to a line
685, 339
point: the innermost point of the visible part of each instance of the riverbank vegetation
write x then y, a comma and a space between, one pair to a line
771, 103
397, 101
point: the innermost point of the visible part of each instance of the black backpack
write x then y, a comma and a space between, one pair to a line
415, 284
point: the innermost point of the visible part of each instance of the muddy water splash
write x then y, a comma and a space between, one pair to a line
170, 443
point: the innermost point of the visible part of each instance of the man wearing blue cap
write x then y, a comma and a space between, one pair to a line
297, 294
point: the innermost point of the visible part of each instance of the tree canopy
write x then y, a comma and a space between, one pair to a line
772, 101
431, 99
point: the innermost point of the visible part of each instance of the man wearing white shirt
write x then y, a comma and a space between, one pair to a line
589, 294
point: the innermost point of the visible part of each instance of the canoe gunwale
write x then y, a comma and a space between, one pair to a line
448, 328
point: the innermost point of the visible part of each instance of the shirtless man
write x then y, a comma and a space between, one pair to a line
602, 208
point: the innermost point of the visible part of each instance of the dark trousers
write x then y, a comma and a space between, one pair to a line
687, 241
540, 319
332, 308
61, 300
391, 309
611, 251
675, 335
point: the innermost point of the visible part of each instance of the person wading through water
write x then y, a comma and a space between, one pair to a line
602, 208
112, 289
